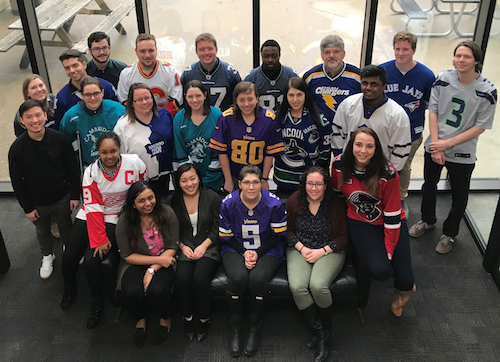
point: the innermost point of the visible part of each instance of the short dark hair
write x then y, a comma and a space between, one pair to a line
271, 43
374, 71
177, 180
105, 136
206, 104
72, 53
205, 37
476, 52
97, 36
90, 80
28, 104
250, 169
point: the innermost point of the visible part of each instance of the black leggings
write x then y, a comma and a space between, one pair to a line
193, 284
256, 280
157, 296
95, 270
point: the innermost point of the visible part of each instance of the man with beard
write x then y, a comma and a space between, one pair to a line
102, 65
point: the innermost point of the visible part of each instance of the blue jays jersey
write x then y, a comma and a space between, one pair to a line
411, 91
270, 90
305, 145
152, 142
252, 227
327, 91
220, 82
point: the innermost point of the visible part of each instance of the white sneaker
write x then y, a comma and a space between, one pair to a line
47, 266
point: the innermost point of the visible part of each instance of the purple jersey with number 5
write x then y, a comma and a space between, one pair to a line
252, 227
247, 145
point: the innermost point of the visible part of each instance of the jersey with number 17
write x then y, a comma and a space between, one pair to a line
253, 227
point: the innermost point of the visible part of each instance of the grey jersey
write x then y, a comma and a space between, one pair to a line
459, 108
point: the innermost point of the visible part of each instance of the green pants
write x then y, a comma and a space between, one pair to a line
310, 283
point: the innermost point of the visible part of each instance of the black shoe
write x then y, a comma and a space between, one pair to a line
235, 339
95, 314
162, 334
324, 335
68, 296
203, 328
312, 318
188, 328
139, 337
254, 337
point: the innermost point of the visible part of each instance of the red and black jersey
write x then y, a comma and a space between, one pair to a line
362, 206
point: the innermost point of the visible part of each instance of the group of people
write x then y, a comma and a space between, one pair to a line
140, 238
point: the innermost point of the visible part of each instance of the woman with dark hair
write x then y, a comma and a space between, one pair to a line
146, 130
252, 228
317, 235
306, 135
147, 234
90, 117
34, 88
246, 135
375, 220
193, 128
197, 209
105, 184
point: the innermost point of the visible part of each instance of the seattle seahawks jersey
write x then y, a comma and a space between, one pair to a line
389, 121
385, 209
90, 125
460, 107
328, 91
271, 91
152, 142
411, 91
247, 145
252, 227
163, 81
305, 145
220, 82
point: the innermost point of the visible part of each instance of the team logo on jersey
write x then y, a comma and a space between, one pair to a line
293, 149
91, 137
154, 148
314, 136
412, 105
160, 96
197, 149
366, 205
329, 101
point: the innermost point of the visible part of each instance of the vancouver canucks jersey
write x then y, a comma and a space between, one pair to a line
411, 91
152, 142
247, 145
220, 82
329, 91
271, 91
460, 107
305, 145
253, 227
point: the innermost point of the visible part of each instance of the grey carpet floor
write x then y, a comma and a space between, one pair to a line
453, 316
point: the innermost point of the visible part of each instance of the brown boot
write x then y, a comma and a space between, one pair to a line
400, 299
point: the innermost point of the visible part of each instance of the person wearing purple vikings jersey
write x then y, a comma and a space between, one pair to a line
246, 135
252, 225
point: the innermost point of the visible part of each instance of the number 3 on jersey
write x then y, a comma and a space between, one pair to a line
251, 232
457, 113
247, 152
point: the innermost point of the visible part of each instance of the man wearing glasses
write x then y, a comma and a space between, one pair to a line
102, 65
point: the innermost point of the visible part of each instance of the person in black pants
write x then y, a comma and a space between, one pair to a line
252, 228
147, 234
45, 179
197, 209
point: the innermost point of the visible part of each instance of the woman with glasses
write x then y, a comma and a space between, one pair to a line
375, 220
193, 128
317, 235
87, 119
252, 228
146, 130
34, 88
306, 135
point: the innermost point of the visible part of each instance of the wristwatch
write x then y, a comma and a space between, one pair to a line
326, 251
151, 270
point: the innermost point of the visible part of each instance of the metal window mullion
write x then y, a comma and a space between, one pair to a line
141, 10
256, 32
368, 32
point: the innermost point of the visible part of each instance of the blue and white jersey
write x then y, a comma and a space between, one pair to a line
252, 227
152, 142
271, 91
329, 91
220, 82
411, 91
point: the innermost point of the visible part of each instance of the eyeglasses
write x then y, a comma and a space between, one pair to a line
90, 95
98, 50
248, 183
335, 52
142, 100
318, 185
